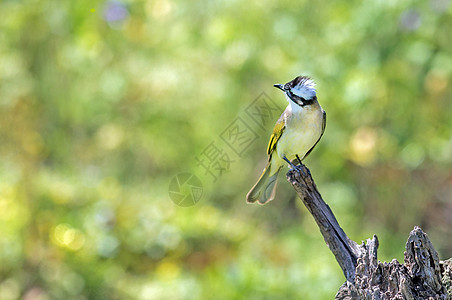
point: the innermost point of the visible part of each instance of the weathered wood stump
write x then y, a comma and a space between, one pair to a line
422, 276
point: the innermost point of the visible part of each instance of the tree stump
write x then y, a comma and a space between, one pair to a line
422, 276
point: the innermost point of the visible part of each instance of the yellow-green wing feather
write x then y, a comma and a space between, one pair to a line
264, 189
276, 135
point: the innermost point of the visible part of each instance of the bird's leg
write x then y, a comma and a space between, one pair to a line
299, 160
290, 163
300, 167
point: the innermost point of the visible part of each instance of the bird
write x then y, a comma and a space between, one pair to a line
296, 133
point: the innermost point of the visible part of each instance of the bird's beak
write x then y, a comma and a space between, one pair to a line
279, 86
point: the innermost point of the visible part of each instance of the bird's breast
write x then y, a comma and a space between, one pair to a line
303, 129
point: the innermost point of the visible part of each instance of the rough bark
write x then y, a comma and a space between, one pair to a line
422, 276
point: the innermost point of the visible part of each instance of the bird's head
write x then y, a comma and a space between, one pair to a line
301, 90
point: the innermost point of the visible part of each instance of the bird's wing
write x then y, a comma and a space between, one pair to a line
323, 130
280, 126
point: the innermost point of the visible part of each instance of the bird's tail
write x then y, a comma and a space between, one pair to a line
265, 188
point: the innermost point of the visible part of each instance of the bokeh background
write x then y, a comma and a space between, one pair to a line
103, 103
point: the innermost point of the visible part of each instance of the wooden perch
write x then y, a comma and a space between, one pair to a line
422, 276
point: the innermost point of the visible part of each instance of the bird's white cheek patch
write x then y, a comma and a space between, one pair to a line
304, 92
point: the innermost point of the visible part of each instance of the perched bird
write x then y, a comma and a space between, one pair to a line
296, 133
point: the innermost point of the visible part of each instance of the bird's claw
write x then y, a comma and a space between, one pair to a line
294, 167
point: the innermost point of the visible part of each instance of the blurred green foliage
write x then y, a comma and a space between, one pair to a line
103, 103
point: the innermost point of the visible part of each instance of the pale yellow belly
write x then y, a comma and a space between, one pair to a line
300, 135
